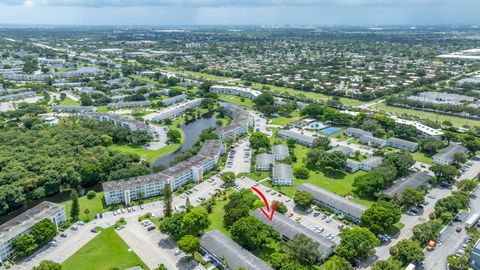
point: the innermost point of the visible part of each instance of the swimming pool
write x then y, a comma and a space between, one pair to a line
330, 130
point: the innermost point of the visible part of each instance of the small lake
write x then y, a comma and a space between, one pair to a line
192, 131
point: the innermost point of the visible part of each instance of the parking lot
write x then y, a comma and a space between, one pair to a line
470, 169
314, 220
239, 158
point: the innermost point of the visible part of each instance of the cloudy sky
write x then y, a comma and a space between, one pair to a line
234, 12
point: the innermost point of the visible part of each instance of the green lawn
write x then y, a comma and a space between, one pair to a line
334, 181
102, 108
104, 252
216, 217
455, 120
421, 157
237, 100
94, 205
69, 102
149, 155
282, 120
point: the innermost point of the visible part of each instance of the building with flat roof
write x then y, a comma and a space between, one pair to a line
475, 256
425, 131
74, 109
345, 150
415, 180
239, 125
192, 169
23, 223
264, 162
282, 175
225, 253
235, 90
17, 96
442, 98
280, 152
175, 99
128, 104
303, 139
402, 144
288, 228
446, 156
372, 141
338, 204
176, 110
357, 133
118, 120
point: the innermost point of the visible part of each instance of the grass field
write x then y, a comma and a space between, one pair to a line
149, 155
104, 252
102, 108
236, 100
69, 102
94, 205
282, 120
334, 181
455, 120
216, 217
421, 157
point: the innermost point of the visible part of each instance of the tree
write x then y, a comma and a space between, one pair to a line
235, 213
467, 185
402, 161
281, 207
337, 263
87, 213
167, 200
390, 264
91, 194
302, 173
189, 244
459, 158
430, 146
444, 173
252, 234
335, 161
75, 209
381, 216
161, 267
264, 99
303, 199
321, 141
174, 136
356, 243
313, 111
304, 249
368, 184
291, 142
427, 231
412, 197
86, 99
172, 225
24, 245
188, 205
407, 251
48, 265
405, 131
228, 178
195, 221
259, 140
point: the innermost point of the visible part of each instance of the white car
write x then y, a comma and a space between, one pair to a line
178, 251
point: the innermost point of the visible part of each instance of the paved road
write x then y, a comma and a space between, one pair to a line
307, 219
240, 163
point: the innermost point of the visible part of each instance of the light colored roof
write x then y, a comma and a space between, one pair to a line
282, 171
414, 180
27, 219
338, 202
222, 246
449, 152
342, 149
403, 142
372, 161
359, 131
289, 228
280, 150
264, 159
368, 139
297, 136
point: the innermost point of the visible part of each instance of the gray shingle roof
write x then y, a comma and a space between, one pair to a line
264, 159
282, 171
222, 246
338, 202
358, 131
347, 151
372, 161
280, 150
414, 180
405, 143
370, 139
297, 136
289, 228
449, 152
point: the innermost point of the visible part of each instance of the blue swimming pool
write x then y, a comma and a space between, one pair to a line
330, 130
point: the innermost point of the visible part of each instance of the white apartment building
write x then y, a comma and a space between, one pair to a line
235, 90
23, 223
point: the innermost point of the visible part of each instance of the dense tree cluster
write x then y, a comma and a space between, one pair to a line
36, 162
181, 224
40, 234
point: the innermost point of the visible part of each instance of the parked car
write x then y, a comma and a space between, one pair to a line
151, 228
178, 251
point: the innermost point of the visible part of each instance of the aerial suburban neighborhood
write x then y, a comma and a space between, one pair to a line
237, 146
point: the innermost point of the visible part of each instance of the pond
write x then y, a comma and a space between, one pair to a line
192, 131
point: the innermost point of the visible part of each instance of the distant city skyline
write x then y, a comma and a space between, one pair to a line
239, 12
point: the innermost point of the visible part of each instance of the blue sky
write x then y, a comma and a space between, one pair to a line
234, 12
